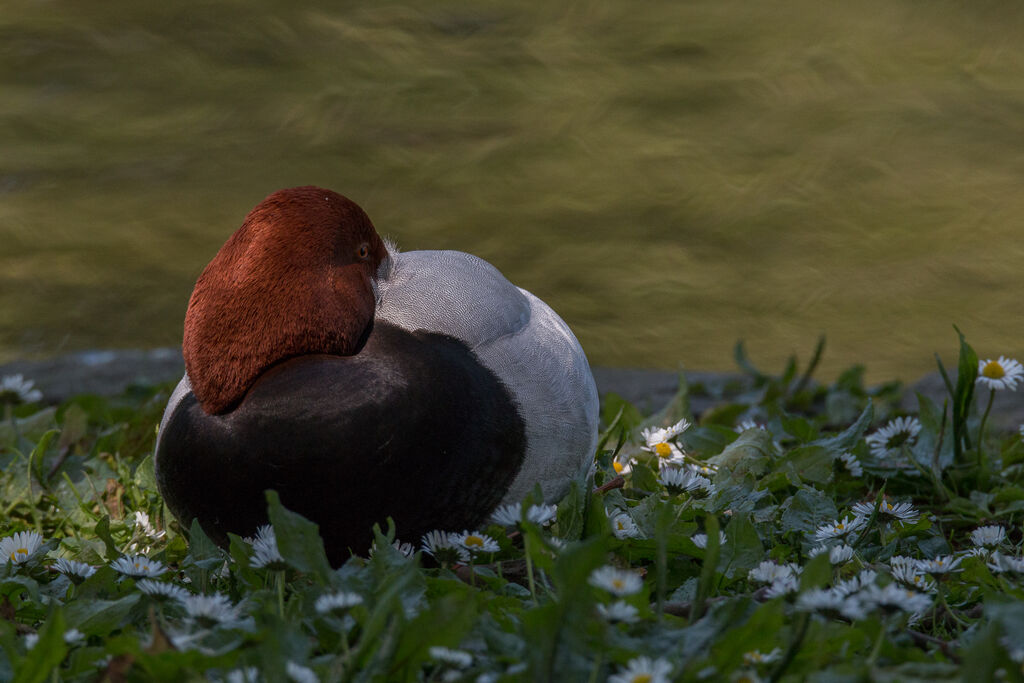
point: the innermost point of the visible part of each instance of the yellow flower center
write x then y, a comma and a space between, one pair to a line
642, 678
663, 450
993, 370
618, 583
19, 551
475, 540
840, 527
754, 656
618, 467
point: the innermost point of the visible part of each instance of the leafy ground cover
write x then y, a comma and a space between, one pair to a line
796, 531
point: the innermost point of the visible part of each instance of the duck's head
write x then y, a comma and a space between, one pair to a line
297, 278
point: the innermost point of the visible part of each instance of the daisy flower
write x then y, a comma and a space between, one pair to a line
888, 441
138, 566
758, 657
624, 527
443, 547
748, 424
701, 540
76, 571
837, 554
299, 673
944, 564
820, 600
338, 602
784, 585
161, 590
1000, 563
15, 389
838, 529
904, 512
677, 480
446, 655
19, 547
210, 610
769, 571
617, 581
476, 542
988, 536
643, 670
852, 464
658, 441
249, 674
618, 611
265, 554
512, 514
1000, 374
856, 583
894, 597
623, 465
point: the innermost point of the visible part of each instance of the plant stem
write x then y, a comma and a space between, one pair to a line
981, 427
280, 593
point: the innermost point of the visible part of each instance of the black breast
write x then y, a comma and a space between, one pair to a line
412, 427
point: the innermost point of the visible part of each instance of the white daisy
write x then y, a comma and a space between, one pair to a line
988, 536
339, 602
852, 464
210, 610
30, 640
541, 515
894, 597
20, 547
476, 542
512, 514
784, 585
1000, 563
701, 540
838, 529
624, 527
249, 674
618, 611
622, 465
837, 554
748, 424
757, 657
161, 590
904, 512
820, 600
658, 441
74, 637
76, 571
944, 564
856, 583
1000, 374
769, 571
446, 655
15, 389
643, 670
299, 673
138, 566
620, 582
143, 526
888, 441
678, 480
443, 547
507, 515
265, 554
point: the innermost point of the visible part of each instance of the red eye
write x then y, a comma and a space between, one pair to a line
363, 251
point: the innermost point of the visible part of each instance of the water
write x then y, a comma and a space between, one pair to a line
668, 176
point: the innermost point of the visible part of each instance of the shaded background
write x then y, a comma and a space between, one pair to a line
669, 176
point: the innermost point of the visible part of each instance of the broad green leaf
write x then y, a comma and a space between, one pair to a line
298, 540
47, 654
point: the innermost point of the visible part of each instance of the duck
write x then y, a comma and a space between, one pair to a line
363, 383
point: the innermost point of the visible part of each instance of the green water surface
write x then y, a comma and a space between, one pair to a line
669, 176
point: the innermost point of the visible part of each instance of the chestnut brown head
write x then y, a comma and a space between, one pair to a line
295, 279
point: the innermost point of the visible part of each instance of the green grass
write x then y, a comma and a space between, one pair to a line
77, 475
668, 176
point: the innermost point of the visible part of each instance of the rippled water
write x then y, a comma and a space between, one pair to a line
669, 176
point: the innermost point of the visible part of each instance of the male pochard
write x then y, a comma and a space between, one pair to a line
361, 383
